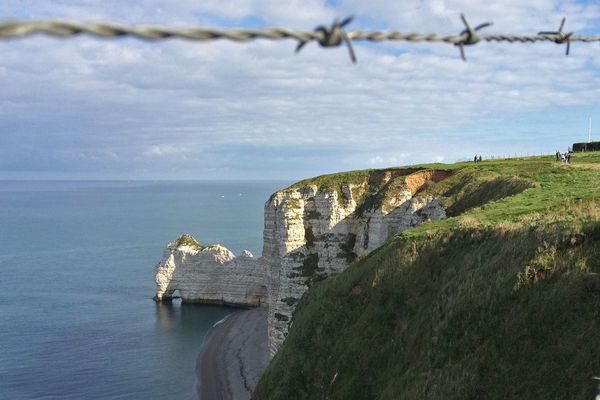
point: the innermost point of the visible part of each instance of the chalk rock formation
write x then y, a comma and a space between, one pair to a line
312, 232
312, 229
211, 275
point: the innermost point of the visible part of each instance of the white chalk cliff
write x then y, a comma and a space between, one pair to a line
211, 275
311, 230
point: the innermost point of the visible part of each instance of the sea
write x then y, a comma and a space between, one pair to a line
77, 260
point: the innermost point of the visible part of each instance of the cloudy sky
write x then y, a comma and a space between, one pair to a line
85, 108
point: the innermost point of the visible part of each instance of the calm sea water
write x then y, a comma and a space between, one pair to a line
77, 279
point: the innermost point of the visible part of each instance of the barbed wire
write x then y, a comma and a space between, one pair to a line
326, 36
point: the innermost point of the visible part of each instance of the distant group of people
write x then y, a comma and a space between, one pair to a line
564, 158
477, 158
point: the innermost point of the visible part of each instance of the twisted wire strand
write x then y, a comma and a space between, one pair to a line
335, 35
60, 28
377, 36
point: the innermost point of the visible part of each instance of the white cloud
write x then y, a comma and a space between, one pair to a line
514, 16
165, 150
249, 103
388, 160
376, 160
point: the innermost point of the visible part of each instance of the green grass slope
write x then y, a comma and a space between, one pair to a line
499, 301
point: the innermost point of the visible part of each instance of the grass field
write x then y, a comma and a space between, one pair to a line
499, 301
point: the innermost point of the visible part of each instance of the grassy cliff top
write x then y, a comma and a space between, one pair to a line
187, 240
500, 300
470, 185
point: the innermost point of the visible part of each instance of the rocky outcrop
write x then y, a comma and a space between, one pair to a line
311, 230
211, 275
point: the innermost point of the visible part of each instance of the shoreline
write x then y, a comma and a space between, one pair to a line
233, 357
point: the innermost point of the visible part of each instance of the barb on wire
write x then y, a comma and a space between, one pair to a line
560, 37
470, 35
331, 36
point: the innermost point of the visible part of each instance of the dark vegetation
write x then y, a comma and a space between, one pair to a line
281, 317
499, 301
309, 236
290, 301
591, 146
187, 240
347, 248
310, 265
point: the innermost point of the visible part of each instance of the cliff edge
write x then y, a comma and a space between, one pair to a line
312, 229
317, 227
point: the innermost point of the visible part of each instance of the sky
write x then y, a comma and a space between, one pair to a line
86, 108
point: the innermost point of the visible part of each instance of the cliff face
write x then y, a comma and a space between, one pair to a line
211, 275
312, 230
